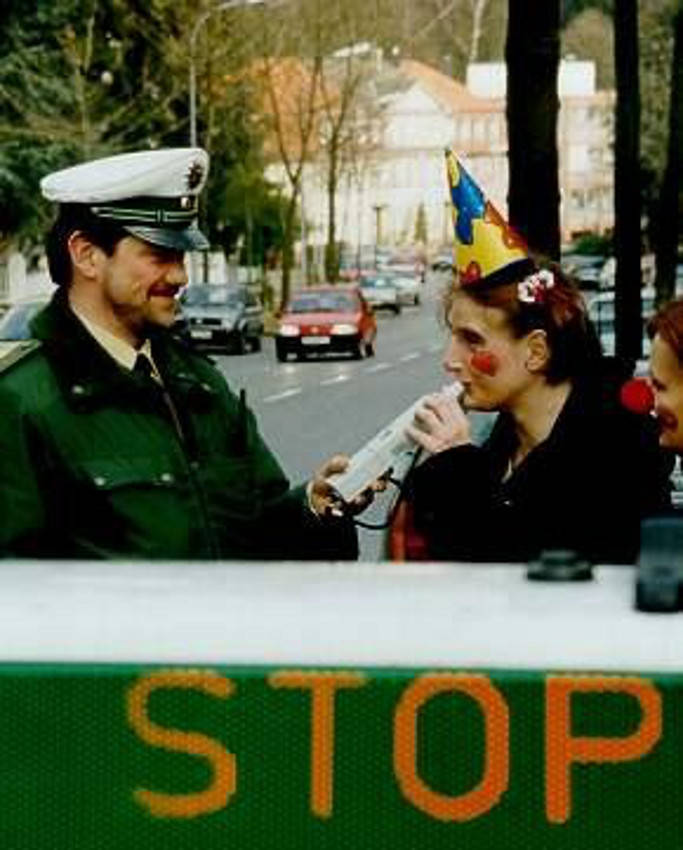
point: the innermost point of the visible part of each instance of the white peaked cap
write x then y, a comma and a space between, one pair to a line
165, 173
150, 194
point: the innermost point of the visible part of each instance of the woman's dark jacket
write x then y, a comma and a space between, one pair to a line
93, 463
585, 488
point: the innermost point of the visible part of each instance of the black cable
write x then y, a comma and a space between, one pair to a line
400, 484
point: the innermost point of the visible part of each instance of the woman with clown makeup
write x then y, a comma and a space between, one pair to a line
666, 370
566, 466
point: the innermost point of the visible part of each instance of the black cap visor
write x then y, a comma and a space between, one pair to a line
177, 239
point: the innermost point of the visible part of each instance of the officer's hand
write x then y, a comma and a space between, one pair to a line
440, 423
325, 501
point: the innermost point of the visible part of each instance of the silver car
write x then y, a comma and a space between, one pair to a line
381, 293
221, 316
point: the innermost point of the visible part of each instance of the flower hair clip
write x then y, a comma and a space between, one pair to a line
533, 289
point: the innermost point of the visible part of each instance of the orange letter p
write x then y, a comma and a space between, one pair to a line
562, 749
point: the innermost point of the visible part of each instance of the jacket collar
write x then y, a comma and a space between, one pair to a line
88, 375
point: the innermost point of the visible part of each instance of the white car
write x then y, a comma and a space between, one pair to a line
381, 293
409, 287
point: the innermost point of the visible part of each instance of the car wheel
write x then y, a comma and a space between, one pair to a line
397, 310
370, 349
357, 350
280, 353
417, 300
256, 343
239, 345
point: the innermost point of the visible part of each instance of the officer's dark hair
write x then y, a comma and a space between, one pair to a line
561, 312
668, 323
71, 218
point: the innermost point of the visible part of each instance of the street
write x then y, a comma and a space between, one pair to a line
310, 410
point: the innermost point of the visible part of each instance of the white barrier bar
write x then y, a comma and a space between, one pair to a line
419, 615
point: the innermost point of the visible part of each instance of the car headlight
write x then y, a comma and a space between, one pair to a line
227, 323
344, 328
289, 330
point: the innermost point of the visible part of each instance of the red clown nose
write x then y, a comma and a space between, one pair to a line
484, 361
636, 395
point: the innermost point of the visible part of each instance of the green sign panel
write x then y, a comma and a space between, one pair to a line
115, 757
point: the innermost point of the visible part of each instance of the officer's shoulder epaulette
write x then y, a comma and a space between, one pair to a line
12, 353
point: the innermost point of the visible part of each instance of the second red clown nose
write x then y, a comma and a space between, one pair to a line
636, 395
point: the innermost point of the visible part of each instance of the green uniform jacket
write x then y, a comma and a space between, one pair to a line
93, 465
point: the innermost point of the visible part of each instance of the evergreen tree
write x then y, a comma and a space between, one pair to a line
421, 235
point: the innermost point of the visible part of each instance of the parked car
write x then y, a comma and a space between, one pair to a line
14, 324
586, 268
601, 313
326, 319
443, 263
381, 293
409, 288
647, 271
221, 316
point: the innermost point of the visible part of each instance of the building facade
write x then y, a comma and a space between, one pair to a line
416, 112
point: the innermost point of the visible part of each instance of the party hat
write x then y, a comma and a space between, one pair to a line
487, 249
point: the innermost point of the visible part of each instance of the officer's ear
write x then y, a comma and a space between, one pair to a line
86, 257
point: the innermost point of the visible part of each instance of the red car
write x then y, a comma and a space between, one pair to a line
326, 318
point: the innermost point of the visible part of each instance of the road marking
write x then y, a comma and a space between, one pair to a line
378, 367
284, 394
413, 355
434, 348
338, 379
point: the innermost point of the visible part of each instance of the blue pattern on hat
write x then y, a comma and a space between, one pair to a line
469, 201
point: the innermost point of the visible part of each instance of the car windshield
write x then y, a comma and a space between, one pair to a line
15, 323
206, 296
372, 282
323, 302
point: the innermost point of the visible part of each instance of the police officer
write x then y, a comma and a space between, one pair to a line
117, 440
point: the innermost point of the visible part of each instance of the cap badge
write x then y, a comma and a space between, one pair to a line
195, 175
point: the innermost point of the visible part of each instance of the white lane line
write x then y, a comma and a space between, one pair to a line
413, 355
284, 394
434, 348
338, 379
378, 367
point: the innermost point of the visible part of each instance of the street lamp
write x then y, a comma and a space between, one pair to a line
199, 23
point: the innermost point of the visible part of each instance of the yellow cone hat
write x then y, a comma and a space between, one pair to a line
487, 249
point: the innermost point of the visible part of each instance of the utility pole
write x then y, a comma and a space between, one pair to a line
378, 227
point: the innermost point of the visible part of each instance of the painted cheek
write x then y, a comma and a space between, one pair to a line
484, 362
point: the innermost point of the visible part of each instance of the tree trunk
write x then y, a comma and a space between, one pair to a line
627, 204
288, 250
331, 252
533, 54
669, 200
478, 9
